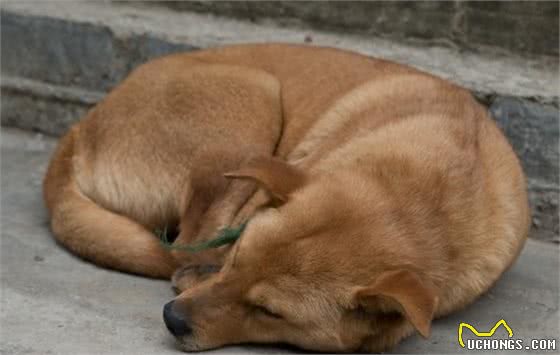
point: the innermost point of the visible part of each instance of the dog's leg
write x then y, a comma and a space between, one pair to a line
94, 233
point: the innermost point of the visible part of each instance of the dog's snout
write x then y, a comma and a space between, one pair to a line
177, 323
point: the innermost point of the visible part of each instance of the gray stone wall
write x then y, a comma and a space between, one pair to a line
533, 130
529, 27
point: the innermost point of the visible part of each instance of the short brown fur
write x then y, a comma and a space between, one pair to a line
378, 197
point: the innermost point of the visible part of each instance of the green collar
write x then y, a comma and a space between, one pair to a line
225, 236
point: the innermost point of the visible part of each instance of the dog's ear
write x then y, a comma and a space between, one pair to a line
404, 292
277, 177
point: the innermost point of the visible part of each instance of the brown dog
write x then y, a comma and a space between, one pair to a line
378, 197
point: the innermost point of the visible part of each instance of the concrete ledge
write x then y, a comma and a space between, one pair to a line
96, 44
55, 92
59, 58
518, 26
38, 106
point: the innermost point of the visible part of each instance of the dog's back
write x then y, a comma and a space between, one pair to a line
178, 122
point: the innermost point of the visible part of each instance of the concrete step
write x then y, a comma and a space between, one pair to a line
59, 58
54, 303
524, 27
95, 44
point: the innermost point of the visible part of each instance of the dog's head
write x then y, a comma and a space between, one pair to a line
317, 269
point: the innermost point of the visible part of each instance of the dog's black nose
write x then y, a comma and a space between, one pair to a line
175, 322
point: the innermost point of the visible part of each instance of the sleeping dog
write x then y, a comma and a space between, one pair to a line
376, 197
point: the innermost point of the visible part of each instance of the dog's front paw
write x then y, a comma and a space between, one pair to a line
189, 275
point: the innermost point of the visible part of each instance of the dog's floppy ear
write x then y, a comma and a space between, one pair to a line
277, 177
402, 291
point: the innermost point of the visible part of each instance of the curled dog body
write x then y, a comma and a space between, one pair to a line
376, 197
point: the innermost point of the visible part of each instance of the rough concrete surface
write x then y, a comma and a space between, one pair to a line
54, 303
526, 27
94, 45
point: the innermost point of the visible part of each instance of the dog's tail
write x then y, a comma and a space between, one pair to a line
94, 233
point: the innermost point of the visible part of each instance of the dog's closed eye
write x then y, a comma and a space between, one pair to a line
267, 312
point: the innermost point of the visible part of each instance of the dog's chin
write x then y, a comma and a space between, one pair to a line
189, 344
